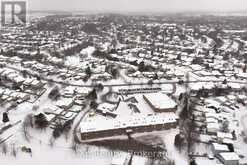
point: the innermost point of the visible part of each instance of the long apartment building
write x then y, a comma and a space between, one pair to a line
123, 126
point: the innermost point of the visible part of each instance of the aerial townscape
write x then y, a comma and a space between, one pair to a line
124, 89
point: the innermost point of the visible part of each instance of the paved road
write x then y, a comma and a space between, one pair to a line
77, 124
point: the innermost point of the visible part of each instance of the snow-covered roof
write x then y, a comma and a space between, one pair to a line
213, 127
69, 90
221, 99
128, 122
227, 141
234, 85
208, 110
22, 95
220, 147
224, 135
64, 102
231, 97
35, 82
88, 50
196, 67
106, 107
29, 80
229, 156
160, 100
243, 97
211, 120
200, 85
83, 90
19, 79
212, 115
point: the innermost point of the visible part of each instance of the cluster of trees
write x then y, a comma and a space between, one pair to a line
225, 126
193, 162
202, 93
198, 60
62, 128
90, 28
113, 70
41, 121
54, 94
99, 87
92, 95
185, 111
88, 74
38, 121
245, 68
142, 67
179, 141
52, 23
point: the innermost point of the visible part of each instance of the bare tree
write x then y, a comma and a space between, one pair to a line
13, 151
4, 148
75, 147
28, 123
225, 126
178, 142
51, 142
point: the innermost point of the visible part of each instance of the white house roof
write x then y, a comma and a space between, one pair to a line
220, 147
160, 100
106, 106
224, 135
83, 90
243, 97
69, 90
213, 127
229, 156
64, 102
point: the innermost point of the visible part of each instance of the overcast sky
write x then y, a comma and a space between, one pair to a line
139, 5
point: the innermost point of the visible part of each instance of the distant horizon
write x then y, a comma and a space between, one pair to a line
206, 12
139, 6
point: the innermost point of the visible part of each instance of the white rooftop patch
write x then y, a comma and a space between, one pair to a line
160, 101
128, 122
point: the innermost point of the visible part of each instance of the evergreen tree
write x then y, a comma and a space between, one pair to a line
178, 141
245, 68
93, 105
225, 126
93, 95
57, 130
88, 71
141, 66
5, 117
40, 121
193, 162
54, 94
224, 82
